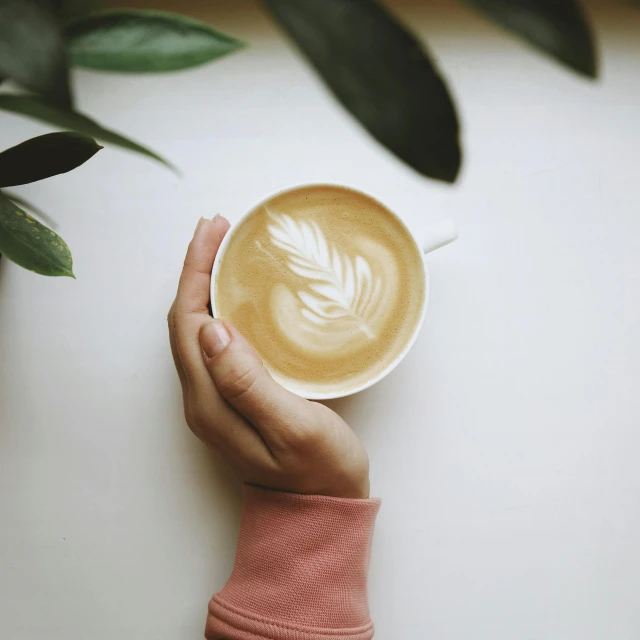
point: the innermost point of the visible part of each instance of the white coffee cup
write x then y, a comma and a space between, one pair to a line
436, 236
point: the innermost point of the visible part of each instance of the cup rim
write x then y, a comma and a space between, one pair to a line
425, 273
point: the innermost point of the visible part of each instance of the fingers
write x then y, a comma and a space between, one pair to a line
178, 364
181, 319
246, 385
195, 281
190, 293
189, 309
207, 414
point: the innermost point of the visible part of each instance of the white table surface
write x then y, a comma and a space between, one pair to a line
505, 448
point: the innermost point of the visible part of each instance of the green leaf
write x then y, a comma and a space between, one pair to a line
558, 27
30, 244
32, 51
29, 206
381, 73
35, 108
45, 156
130, 40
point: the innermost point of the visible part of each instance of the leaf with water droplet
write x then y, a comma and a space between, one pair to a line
30, 244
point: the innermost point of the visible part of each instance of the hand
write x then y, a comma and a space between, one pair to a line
271, 437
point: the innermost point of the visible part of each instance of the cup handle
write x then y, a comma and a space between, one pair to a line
439, 234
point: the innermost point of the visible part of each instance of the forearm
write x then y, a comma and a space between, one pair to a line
300, 572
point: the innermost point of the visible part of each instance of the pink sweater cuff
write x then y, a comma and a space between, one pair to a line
300, 571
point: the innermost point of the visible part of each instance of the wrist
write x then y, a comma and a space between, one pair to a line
351, 489
357, 489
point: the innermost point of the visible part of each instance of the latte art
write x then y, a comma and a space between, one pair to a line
341, 297
326, 283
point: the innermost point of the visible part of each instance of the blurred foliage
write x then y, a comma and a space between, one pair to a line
37, 47
376, 68
556, 27
382, 74
144, 42
39, 109
32, 50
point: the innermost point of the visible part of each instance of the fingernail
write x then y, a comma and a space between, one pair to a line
215, 218
198, 225
214, 337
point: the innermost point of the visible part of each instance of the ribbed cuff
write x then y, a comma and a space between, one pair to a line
300, 572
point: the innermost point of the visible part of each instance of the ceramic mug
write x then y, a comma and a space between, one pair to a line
436, 236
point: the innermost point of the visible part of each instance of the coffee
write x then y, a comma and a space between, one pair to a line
326, 283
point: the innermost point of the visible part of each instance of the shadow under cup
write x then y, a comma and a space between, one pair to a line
327, 284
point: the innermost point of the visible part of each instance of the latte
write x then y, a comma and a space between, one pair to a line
326, 283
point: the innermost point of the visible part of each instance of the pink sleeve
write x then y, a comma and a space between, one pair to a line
300, 571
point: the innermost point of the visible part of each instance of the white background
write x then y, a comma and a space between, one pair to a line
505, 448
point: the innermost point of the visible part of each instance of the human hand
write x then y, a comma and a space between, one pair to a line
270, 436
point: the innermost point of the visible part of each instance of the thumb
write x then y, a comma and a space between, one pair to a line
243, 381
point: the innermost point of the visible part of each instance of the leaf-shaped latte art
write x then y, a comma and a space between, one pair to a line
341, 289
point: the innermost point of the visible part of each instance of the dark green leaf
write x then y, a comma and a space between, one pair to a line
45, 156
382, 74
130, 40
558, 27
40, 110
71, 9
51, 5
30, 244
32, 51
